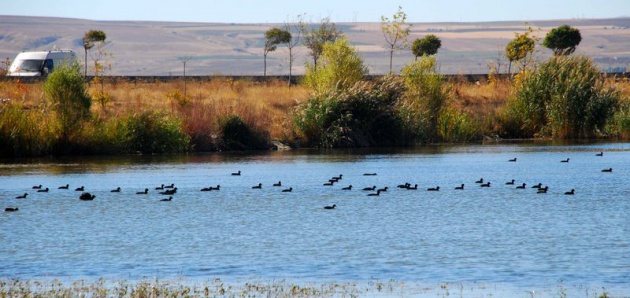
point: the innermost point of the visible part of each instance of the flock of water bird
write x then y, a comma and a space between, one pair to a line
171, 190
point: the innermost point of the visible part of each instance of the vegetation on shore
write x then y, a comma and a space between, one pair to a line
260, 288
562, 98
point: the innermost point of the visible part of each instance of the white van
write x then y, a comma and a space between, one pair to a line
39, 63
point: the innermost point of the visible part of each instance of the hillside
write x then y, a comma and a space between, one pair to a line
152, 48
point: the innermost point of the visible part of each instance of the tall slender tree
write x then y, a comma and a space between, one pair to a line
274, 37
295, 32
89, 39
518, 49
396, 31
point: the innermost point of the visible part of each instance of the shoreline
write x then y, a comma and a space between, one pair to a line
257, 287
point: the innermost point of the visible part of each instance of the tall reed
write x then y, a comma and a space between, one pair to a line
566, 97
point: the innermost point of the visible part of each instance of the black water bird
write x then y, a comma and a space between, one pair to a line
461, 187
79, 188
487, 184
161, 187
377, 193
609, 170
86, 196
539, 185
290, 189
521, 186
11, 209
169, 191
237, 173
406, 185
115, 190
146, 191
413, 187
383, 189
259, 186
329, 183
64, 186
279, 183
170, 186
570, 193
543, 189
349, 187
22, 196
37, 187
330, 207
437, 188
43, 190
210, 188
370, 188
512, 160
369, 174
167, 200
338, 177
479, 181
600, 154
565, 160
510, 182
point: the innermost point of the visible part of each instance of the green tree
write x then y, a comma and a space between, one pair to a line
395, 32
562, 40
427, 45
89, 39
315, 38
274, 37
519, 47
340, 67
65, 88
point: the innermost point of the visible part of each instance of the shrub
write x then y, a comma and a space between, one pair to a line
103, 137
238, 135
340, 67
361, 116
424, 99
25, 133
565, 97
457, 127
153, 132
620, 124
65, 88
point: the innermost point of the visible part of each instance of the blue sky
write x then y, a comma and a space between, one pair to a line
275, 11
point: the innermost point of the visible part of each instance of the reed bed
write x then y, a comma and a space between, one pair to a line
261, 111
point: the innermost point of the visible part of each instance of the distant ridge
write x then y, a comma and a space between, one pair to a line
150, 48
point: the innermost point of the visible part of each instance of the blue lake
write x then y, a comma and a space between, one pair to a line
497, 235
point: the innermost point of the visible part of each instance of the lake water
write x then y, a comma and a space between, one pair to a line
500, 236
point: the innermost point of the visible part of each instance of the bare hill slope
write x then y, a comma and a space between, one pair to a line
152, 48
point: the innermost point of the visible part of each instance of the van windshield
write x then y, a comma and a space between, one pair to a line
29, 66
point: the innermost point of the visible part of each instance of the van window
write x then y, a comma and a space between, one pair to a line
30, 66
49, 64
